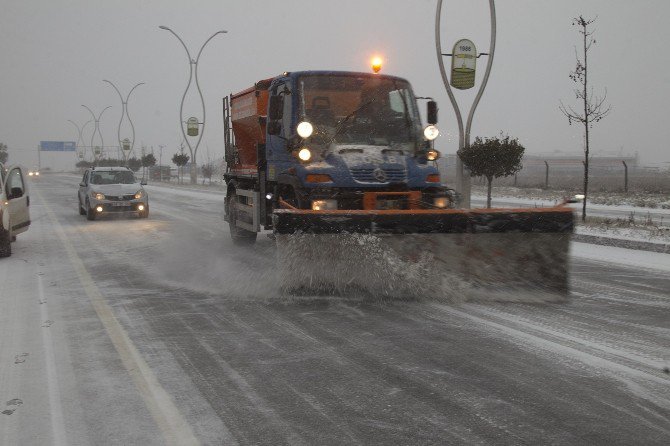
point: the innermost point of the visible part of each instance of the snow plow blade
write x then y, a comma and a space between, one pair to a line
456, 255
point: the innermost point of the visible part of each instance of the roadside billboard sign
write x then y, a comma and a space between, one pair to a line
58, 146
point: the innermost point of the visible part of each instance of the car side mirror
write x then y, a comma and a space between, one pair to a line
143, 183
82, 184
15, 192
431, 112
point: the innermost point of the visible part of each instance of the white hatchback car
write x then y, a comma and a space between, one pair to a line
109, 190
14, 207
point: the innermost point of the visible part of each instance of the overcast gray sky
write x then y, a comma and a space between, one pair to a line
56, 53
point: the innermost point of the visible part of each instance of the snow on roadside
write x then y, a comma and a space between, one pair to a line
621, 256
633, 234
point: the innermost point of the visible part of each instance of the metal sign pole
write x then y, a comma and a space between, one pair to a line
462, 174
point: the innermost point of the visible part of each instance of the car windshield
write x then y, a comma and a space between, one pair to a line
364, 109
112, 177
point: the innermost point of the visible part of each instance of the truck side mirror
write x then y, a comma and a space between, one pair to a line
276, 108
431, 112
274, 127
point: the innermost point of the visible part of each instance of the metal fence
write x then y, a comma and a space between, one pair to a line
609, 176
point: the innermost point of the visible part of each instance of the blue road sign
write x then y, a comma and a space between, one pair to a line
58, 146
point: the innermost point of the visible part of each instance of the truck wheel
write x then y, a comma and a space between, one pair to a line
90, 213
241, 237
5, 244
82, 211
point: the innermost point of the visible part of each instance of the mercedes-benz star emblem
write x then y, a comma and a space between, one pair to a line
379, 175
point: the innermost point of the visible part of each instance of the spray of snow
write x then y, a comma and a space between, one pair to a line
448, 267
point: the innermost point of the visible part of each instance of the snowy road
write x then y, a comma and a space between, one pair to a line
131, 331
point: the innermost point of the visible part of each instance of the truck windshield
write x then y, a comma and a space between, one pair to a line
369, 110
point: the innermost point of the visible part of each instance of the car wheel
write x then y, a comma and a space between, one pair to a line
82, 211
90, 213
5, 243
241, 237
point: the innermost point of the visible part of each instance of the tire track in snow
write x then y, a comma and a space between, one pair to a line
175, 429
620, 365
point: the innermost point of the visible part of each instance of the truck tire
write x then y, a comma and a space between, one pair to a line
5, 243
90, 213
240, 237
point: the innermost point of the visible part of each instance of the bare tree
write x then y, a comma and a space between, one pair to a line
595, 108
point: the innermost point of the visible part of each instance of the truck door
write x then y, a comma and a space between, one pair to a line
18, 200
281, 93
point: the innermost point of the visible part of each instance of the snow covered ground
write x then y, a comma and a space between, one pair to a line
160, 331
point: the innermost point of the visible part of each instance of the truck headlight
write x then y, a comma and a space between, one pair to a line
324, 205
432, 155
305, 129
98, 195
304, 154
430, 132
441, 202
139, 194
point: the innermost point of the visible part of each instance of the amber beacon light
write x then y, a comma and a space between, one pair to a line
376, 64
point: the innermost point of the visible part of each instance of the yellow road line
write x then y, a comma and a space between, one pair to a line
175, 429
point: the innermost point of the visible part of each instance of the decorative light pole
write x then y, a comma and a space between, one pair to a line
97, 150
463, 78
127, 144
80, 139
192, 131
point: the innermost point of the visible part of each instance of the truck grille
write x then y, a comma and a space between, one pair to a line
367, 174
120, 197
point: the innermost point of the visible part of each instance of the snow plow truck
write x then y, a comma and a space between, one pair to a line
340, 168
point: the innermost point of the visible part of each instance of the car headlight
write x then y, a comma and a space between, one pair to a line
98, 195
139, 194
323, 205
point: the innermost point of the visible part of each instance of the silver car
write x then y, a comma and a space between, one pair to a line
14, 206
111, 190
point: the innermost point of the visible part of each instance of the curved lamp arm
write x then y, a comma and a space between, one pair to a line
197, 84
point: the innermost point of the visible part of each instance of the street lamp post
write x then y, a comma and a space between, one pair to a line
126, 145
97, 129
160, 161
193, 65
80, 139
462, 177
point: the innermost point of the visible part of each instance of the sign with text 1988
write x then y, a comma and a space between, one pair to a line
463, 64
